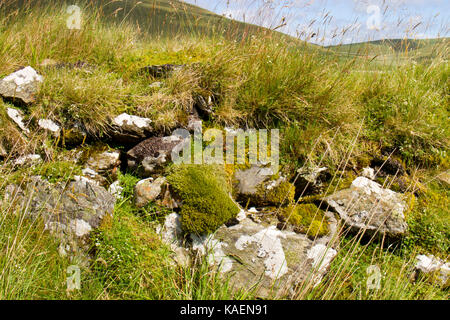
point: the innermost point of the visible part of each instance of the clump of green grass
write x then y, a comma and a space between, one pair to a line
429, 223
369, 272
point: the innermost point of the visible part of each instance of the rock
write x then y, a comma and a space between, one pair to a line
254, 185
105, 162
367, 206
130, 129
158, 190
310, 180
368, 173
27, 160
20, 86
151, 155
92, 177
116, 190
250, 179
168, 198
432, 266
148, 190
172, 235
159, 71
69, 212
444, 177
87, 177
50, 126
18, 118
263, 258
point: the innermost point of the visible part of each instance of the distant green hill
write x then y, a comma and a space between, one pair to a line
164, 18
173, 18
419, 50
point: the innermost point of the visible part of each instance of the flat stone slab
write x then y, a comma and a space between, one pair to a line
366, 205
265, 260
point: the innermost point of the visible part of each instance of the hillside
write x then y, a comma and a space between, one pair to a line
158, 18
424, 50
177, 164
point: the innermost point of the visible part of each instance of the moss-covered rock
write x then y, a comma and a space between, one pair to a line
306, 218
205, 195
281, 193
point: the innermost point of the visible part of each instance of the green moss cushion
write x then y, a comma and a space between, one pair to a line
205, 194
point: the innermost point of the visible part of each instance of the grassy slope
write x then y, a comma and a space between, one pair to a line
424, 50
327, 114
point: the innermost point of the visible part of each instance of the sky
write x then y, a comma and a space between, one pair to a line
328, 22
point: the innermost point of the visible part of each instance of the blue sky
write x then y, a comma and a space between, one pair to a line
341, 21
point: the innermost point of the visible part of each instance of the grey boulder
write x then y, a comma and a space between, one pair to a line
152, 155
70, 212
130, 129
367, 207
21, 86
266, 260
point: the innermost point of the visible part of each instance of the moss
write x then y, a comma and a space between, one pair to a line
389, 182
342, 180
205, 194
59, 171
281, 195
306, 218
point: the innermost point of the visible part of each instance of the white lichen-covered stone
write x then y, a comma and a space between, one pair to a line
171, 234
49, 125
21, 85
116, 190
86, 180
264, 258
241, 215
213, 249
28, 159
367, 206
125, 119
310, 179
432, 265
80, 227
104, 162
368, 173
270, 248
23, 76
17, 116
69, 210
322, 257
